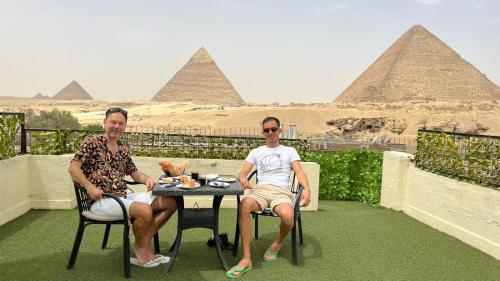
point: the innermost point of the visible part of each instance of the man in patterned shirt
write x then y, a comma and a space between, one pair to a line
100, 165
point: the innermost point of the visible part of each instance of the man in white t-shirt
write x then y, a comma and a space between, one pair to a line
274, 163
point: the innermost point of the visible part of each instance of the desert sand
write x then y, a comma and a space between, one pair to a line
310, 119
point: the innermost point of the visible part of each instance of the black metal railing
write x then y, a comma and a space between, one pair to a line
468, 157
45, 141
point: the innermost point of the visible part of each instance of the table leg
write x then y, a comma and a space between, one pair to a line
180, 214
218, 247
237, 230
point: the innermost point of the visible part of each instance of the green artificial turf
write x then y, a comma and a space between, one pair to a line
343, 241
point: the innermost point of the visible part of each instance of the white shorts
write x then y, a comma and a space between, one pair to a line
109, 206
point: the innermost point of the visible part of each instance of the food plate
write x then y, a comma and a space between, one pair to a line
185, 186
226, 179
219, 184
168, 180
168, 184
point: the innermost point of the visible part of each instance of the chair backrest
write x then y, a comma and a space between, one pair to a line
82, 198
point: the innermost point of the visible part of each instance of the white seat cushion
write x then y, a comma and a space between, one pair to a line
93, 216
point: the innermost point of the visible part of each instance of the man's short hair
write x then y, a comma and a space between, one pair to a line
117, 110
271, 118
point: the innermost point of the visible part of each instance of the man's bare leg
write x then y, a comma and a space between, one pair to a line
247, 206
160, 210
285, 212
143, 218
163, 209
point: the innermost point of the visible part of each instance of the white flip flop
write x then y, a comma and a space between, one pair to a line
162, 259
149, 264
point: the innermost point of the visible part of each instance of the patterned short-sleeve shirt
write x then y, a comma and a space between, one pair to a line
104, 169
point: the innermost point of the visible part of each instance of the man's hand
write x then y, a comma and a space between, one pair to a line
95, 193
305, 199
245, 183
150, 183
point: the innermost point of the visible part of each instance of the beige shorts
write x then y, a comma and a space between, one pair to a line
270, 196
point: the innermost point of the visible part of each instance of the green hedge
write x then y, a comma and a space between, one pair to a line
9, 124
349, 175
465, 157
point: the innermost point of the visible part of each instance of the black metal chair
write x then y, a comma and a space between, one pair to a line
87, 218
296, 189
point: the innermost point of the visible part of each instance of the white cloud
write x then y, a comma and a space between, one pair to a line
330, 9
428, 2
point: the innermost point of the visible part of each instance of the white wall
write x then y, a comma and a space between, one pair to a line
14, 200
465, 211
43, 182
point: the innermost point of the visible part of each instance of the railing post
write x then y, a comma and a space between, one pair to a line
23, 139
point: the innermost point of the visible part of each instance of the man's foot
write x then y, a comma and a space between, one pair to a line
143, 256
149, 264
242, 267
271, 253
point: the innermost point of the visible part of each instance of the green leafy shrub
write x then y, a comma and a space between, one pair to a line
349, 175
471, 158
93, 127
54, 119
9, 124
56, 142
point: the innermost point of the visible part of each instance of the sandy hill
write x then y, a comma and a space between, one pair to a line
420, 67
200, 81
73, 91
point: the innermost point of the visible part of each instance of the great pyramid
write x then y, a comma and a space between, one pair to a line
199, 81
419, 66
72, 92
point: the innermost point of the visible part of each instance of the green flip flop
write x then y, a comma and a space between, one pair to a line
270, 255
240, 271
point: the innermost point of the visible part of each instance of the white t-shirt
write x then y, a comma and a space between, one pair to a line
273, 164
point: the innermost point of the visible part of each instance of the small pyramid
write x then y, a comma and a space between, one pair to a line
419, 66
73, 91
41, 97
200, 81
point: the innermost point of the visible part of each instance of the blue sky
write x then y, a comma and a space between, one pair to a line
271, 51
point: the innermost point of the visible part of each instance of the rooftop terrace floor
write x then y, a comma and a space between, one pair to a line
343, 241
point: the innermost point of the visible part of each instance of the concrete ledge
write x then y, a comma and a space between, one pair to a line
463, 234
16, 211
53, 204
465, 211
43, 182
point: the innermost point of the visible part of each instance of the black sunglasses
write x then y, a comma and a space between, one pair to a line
117, 110
273, 129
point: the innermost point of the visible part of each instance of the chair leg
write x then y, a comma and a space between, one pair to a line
106, 236
172, 247
157, 243
301, 240
256, 221
126, 251
76, 245
294, 245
